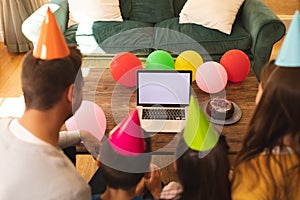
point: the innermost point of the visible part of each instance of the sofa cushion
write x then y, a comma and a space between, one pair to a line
216, 14
178, 5
125, 6
94, 10
115, 37
151, 11
175, 37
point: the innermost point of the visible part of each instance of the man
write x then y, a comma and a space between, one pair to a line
32, 165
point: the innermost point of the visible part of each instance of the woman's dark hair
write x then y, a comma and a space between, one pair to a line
276, 115
44, 81
204, 177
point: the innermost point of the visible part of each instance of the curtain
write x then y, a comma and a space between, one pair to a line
14, 12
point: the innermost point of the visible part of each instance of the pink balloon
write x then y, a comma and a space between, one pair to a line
211, 77
89, 117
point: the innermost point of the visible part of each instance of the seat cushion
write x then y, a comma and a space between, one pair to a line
175, 37
114, 37
151, 11
125, 6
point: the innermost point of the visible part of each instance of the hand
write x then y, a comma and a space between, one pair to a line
140, 189
153, 181
91, 143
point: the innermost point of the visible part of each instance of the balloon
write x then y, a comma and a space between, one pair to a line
89, 117
123, 68
188, 60
159, 59
211, 77
236, 64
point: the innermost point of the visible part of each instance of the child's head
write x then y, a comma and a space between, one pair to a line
125, 155
123, 172
203, 177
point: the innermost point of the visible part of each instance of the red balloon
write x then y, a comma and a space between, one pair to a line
123, 68
236, 64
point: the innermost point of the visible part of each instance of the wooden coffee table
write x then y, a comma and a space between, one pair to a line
117, 101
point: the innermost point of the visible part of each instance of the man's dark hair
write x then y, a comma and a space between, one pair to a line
44, 81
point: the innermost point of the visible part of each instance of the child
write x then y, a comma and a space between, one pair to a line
202, 165
124, 160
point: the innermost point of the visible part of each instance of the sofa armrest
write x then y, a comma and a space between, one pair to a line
265, 29
31, 26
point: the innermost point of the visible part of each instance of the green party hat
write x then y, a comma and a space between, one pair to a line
199, 134
289, 52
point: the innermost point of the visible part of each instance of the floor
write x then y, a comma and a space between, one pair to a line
283, 7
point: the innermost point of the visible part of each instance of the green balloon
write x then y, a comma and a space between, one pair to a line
160, 60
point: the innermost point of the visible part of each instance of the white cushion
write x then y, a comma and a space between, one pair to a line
93, 10
32, 25
214, 14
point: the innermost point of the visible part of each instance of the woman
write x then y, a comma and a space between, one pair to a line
267, 166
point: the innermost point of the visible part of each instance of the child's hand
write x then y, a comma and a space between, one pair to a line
153, 181
141, 188
91, 143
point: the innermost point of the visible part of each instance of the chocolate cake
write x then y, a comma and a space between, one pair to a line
220, 108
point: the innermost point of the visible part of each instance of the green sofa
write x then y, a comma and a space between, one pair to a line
255, 31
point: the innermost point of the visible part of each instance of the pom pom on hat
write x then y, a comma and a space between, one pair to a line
290, 50
51, 44
127, 137
199, 134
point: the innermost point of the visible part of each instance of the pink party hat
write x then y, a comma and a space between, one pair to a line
51, 44
290, 50
127, 137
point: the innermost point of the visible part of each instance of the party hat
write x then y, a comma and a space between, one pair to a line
199, 135
290, 50
51, 44
127, 137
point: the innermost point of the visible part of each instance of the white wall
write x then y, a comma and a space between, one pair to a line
1, 29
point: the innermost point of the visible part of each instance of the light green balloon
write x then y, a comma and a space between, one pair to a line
160, 60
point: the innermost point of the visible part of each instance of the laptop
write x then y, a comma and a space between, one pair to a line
163, 98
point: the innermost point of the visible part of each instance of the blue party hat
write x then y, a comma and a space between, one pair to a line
289, 54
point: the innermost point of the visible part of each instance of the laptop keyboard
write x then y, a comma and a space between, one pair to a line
164, 114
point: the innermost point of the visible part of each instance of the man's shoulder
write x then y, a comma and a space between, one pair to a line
4, 122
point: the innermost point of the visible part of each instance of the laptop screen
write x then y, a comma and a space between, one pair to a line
163, 87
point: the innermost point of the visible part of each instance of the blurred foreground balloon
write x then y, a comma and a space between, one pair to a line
160, 60
211, 77
188, 60
89, 117
236, 64
123, 68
